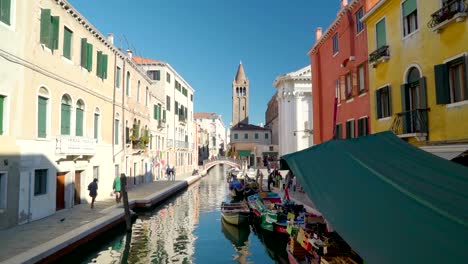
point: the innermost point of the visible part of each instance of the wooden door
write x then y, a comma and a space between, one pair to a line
60, 193
77, 187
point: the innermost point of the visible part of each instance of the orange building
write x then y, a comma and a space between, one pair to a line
340, 74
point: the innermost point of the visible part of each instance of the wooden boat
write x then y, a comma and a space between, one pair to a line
235, 213
264, 210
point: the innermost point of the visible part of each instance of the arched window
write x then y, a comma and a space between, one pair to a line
65, 113
127, 86
147, 97
138, 92
79, 118
413, 75
97, 119
42, 107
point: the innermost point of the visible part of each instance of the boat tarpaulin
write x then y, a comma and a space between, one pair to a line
391, 201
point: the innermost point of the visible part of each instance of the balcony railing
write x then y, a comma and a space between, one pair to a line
161, 123
454, 9
181, 144
182, 119
169, 143
71, 145
411, 123
381, 54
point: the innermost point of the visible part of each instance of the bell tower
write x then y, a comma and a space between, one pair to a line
240, 97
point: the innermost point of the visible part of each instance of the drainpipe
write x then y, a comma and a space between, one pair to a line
113, 109
124, 86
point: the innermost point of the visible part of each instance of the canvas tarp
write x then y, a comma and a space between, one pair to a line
392, 202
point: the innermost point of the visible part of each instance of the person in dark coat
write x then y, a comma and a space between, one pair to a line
92, 188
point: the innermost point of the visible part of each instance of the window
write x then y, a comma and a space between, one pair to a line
335, 44
266, 135
362, 78
363, 128
79, 118
40, 182
127, 86
256, 135
191, 97
349, 86
236, 136
138, 92
184, 91
359, 24
42, 117
67, 41
383, 102
246, 136
168, 103
176, 108
65, 112
3, 190
154, 75
381, 33
5, 10
350, 129
116, 131
157, 112
49, 28
339, 131
101, 65
451, 81
86, 54
410, 17
96, 124
147, 96
164, 115
168, 77
2, 107
96, 172
337, 90
117, 78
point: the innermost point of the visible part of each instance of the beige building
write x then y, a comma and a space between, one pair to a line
67, 96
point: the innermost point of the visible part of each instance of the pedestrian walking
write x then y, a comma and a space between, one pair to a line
92, 188
173, 172
270, 180
116, 186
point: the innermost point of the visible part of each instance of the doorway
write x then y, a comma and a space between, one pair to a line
60, 191
77, 187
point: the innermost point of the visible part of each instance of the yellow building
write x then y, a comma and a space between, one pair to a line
418, 79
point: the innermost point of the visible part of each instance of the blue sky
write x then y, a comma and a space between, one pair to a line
204, 40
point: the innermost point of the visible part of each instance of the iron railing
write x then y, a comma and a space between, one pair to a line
413, 121
181, 144
222, 158
381, 52
169, 143
447, 12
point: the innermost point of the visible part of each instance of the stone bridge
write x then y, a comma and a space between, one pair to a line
210, 163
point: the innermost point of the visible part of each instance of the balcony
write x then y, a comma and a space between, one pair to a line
161, 123
411, 124
169, 143
382, 54
75, 146
181, 144
182, 119
454, 10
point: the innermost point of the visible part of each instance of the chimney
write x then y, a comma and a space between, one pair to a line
318, 34
344, 3
129, 53
110, 38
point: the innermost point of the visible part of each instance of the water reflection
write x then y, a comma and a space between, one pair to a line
189, 229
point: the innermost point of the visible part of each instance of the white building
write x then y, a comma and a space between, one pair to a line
213, 124
178, 149
294, 95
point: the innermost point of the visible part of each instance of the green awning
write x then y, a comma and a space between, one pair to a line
271, 153
243, 153
391, 201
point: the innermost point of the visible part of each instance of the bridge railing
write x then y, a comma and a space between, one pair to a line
218, 159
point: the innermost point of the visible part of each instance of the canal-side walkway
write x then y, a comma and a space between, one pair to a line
51, 236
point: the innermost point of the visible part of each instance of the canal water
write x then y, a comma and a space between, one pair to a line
188, 229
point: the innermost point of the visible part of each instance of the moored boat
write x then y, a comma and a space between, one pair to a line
235, 213
264, 209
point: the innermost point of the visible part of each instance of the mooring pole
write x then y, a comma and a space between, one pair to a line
128, 217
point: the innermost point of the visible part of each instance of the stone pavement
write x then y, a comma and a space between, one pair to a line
70, 223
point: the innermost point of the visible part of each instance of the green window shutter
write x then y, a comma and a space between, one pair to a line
423, 92
466, 77
409, 6
67, 36
55, 33
42, 118
79, 123
442, 84
378, 103
380, 29
65, 120
104, 66
89, 51
84, 52
155, 110
5, 6
116, 132
96, 126
256, 135
359, 127
389, 103
45, 27
2, 100
405, 106
164, 114
99, 64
